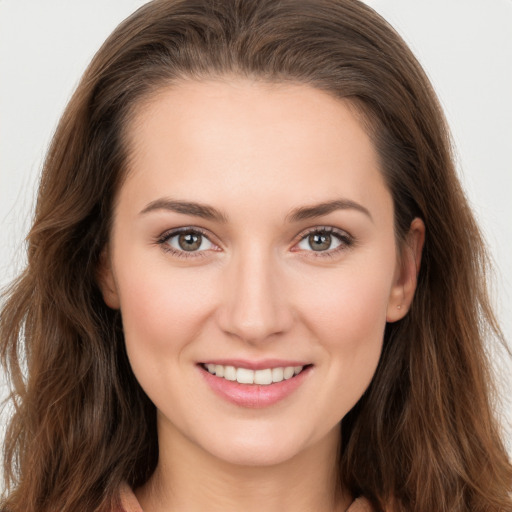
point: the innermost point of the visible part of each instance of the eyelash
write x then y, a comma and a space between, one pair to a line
346, 241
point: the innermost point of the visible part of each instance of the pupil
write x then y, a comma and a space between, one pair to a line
189, 241
320, 242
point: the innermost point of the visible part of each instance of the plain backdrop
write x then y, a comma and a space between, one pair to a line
464, 45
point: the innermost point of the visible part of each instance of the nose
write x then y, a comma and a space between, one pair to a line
254, 305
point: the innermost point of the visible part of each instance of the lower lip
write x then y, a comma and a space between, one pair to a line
253, 395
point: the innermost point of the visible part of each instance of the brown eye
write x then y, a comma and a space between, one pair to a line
190, 241
187, 241
326, 240
320, 241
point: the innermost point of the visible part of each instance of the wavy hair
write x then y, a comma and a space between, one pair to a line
423, 437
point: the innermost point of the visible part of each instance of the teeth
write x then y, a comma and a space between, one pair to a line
230, 372
263, 377
246, 376
289, 372
277, 374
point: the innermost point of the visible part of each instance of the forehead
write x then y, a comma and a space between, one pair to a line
220, 138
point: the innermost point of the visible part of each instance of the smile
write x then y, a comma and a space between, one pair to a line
263, 385
263, 377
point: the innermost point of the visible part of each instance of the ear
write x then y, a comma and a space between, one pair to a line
106, 281
406, 272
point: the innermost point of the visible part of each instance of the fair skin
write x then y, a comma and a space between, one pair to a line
261, 278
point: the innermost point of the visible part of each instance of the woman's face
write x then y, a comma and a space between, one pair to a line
253, 239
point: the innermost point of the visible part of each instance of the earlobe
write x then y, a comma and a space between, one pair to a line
406, 274
106, 281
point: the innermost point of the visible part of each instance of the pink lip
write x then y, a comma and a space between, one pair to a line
253, 395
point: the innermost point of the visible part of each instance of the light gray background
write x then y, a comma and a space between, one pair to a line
464, 45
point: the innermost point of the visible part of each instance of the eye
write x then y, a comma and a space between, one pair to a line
324, 240
189, 241
186, 240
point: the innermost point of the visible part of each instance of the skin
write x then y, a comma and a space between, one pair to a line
255, 289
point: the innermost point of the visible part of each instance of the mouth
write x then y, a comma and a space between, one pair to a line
263, 385
261, 377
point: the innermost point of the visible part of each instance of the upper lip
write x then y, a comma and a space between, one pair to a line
256, 365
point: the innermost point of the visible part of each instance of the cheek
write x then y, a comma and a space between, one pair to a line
348, 306
162, 311
348, 317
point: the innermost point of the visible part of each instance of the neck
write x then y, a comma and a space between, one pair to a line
189, 479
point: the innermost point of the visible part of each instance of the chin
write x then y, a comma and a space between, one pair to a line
255, 456
257, 449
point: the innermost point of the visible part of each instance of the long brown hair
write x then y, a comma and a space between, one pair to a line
423, 436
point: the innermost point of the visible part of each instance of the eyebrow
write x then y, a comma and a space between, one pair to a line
318, 210
187, 208
211, 213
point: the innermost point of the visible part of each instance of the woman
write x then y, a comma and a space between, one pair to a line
253, 279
